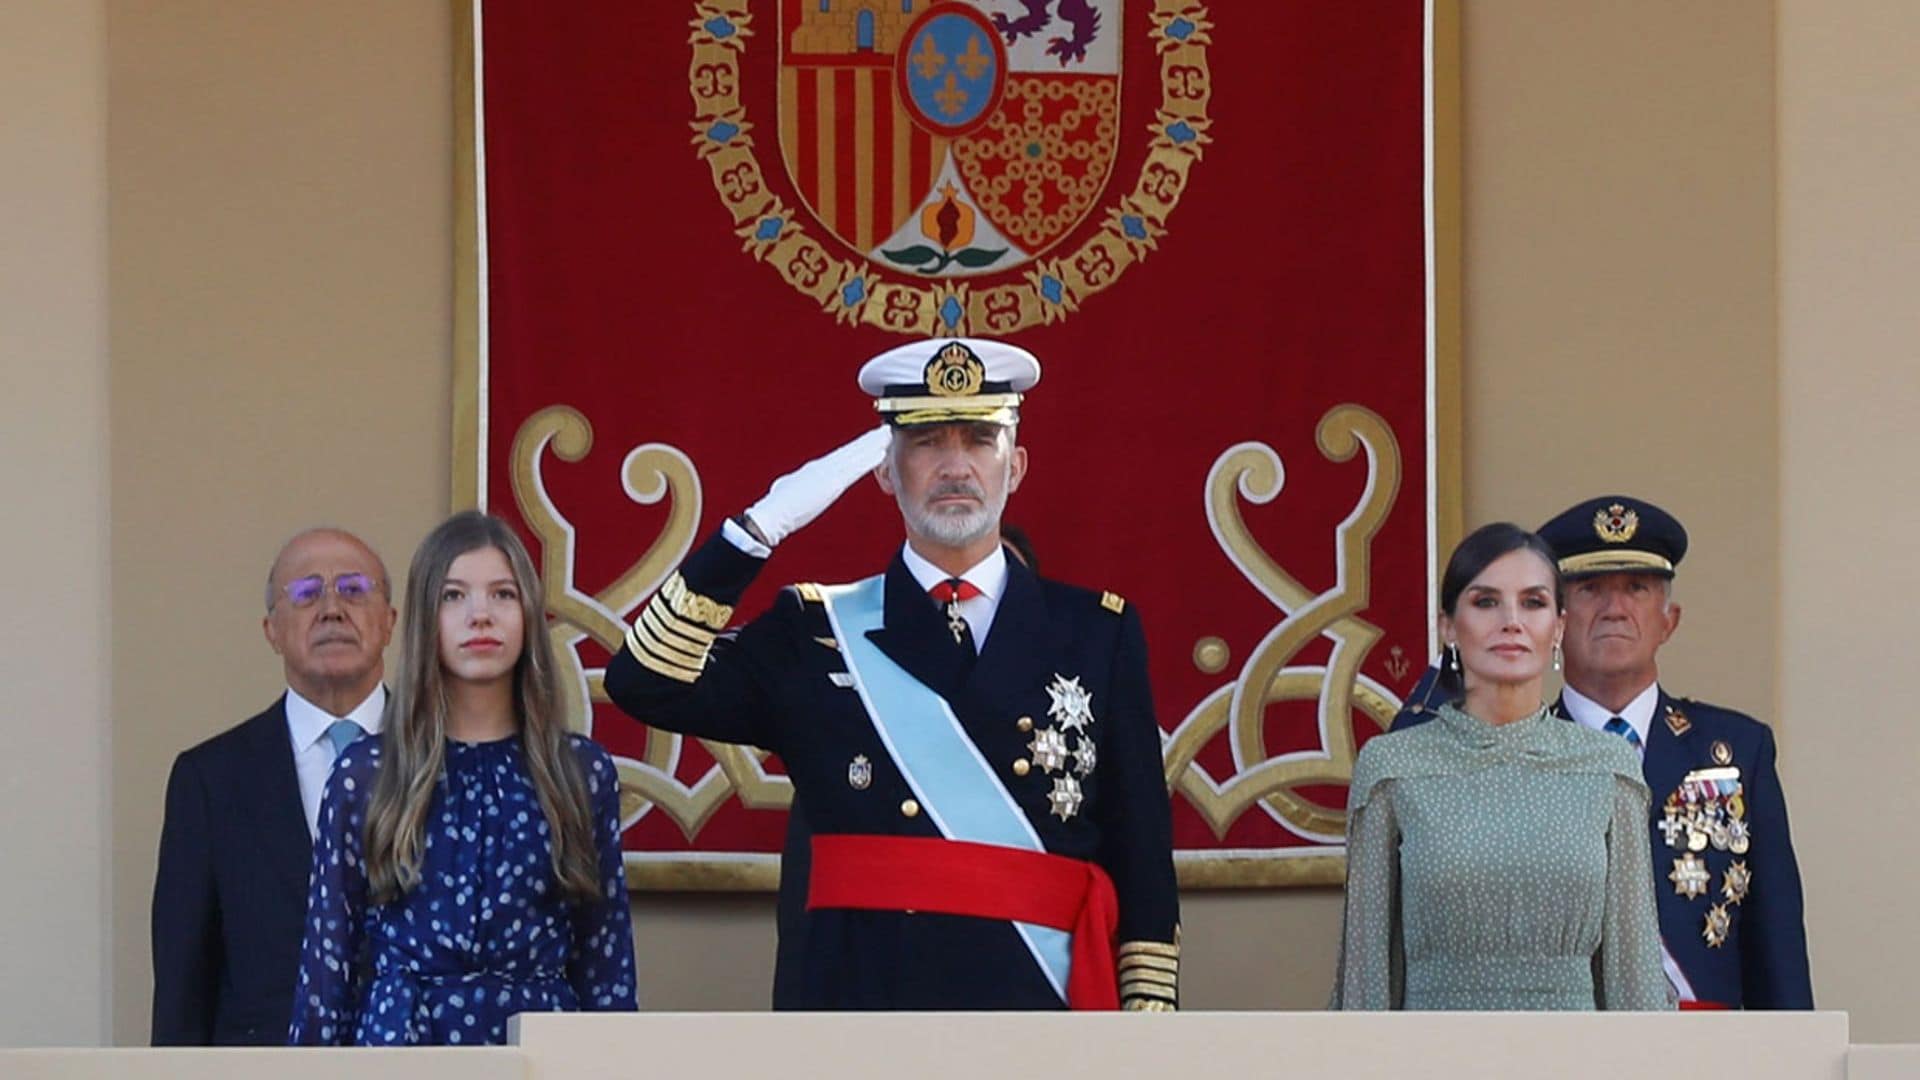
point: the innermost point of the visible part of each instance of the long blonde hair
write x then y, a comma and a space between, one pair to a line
413, 744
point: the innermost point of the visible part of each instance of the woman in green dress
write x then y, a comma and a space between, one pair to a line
1497, 858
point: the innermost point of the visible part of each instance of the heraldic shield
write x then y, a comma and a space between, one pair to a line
950, 137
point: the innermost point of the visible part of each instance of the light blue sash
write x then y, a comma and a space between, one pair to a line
952, 782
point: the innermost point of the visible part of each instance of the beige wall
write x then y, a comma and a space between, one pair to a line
54, 659
1619, 251
1850, 507
279, 329
281, 230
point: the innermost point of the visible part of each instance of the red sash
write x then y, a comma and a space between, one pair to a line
1701, 1006
986, 881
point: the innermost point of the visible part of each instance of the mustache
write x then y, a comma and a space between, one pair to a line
956, 487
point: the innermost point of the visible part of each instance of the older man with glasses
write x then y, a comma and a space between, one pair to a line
231, 890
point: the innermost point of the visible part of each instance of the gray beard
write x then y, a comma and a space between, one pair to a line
956, 528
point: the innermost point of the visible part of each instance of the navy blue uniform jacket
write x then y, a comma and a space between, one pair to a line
772, 686
1762, 964
230, 894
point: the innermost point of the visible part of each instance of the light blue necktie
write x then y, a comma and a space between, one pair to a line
1625, 730
341, 734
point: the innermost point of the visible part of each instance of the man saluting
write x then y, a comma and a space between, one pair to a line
979, 817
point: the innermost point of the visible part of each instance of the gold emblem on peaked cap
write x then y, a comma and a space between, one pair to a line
955, 372
1616, 524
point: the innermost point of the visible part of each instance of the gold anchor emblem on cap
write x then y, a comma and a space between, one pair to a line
955, 372
1616, 524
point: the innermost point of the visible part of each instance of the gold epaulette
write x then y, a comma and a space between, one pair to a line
1113, 602
809, 592
1149, 974
674, 631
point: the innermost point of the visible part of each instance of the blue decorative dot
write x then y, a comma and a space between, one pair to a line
1180, 132
769, 229
1051, 288
721, 131
1133, 226
1033, 149
854, 292
1180, 29
719, 27
950, 312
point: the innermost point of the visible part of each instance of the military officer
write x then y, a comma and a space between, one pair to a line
1727, 883
980, 820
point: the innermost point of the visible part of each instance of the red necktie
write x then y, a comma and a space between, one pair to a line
952, 589
950, 592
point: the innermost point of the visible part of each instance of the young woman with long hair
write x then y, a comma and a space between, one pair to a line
468, 864
1497, 857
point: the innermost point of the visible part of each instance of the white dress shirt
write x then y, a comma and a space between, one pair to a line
989, 575
1638, 713
313, 754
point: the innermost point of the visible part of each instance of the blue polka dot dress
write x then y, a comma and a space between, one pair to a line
1499, 867
483, 935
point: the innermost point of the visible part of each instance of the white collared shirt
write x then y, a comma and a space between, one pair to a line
1591, 714
313, 753
989, 575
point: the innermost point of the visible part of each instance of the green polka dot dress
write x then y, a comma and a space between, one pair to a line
1499, 867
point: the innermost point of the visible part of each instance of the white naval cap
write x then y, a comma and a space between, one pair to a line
950, 380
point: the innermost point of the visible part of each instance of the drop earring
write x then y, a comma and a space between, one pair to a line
1453, 657
1556, 656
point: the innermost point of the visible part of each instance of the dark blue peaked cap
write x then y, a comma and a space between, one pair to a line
1615, 534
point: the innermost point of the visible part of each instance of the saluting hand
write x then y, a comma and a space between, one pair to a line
803, 494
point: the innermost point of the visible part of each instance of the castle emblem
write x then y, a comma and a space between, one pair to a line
951, 159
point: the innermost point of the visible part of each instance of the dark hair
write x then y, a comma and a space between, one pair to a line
1020, 544
1470, 558
1482, 547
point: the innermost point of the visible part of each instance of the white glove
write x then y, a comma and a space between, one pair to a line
803, 494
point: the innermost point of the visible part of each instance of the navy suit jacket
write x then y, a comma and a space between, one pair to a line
775, 687
230, 895
1762, 963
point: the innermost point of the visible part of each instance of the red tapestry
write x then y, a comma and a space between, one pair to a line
695, 220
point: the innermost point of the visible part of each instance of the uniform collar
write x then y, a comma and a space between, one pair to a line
309, 722
989, 575
1589, 713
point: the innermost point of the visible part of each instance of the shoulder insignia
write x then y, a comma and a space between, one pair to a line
1113, 602
809, 592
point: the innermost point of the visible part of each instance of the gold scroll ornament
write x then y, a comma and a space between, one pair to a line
1271, 782
856, 292
651, 472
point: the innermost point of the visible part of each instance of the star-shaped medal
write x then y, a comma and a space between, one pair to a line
1719, 922
1736, 882
1065, 797
1739, 838
1072, 703
1049, 749
1083, 755
1690, 876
